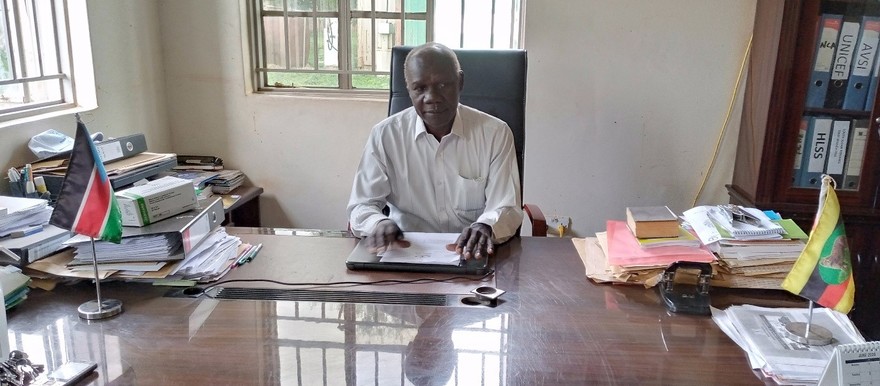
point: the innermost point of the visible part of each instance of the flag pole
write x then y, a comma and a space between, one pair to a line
100, 308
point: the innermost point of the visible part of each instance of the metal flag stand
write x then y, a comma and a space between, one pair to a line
99, 309
808, 333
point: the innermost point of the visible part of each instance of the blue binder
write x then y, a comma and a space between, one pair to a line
863, 63
835, 166
829, 28
816, 153
840, 68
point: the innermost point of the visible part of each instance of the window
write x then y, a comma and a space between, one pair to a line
346, 44
36, 56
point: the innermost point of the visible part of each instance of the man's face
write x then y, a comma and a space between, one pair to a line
434, 88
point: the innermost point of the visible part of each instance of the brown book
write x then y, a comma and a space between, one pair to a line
652, 221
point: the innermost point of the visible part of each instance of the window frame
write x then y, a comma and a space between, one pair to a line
257, 41
75, 69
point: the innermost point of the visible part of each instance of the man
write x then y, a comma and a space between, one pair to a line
438, 166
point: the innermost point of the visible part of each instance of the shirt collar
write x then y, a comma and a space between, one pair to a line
419, 128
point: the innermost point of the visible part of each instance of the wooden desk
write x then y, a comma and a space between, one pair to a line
553, 327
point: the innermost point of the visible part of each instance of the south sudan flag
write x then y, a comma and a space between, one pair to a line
823, 271
86, 204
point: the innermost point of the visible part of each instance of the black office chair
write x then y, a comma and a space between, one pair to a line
495, 83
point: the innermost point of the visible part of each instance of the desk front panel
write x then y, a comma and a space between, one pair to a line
552, 327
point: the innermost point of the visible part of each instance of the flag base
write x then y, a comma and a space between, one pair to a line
90, 310
818, 335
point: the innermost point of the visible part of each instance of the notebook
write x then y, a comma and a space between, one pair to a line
362, 259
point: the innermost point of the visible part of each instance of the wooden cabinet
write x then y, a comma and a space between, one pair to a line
778, 104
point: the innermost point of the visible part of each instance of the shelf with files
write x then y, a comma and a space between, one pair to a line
801, 51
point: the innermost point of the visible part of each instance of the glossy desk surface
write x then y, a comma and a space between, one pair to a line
553, 326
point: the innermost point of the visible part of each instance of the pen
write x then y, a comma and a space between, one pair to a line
244, 256
253, 254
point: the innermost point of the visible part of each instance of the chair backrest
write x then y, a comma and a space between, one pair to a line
494, 83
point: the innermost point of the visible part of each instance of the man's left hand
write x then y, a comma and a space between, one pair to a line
475, 241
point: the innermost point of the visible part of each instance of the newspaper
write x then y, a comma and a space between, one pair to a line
761, 333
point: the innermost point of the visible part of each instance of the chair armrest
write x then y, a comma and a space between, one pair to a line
537, 219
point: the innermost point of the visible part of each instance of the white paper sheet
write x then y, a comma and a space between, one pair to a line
425, 248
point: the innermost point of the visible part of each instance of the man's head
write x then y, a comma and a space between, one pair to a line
434, 80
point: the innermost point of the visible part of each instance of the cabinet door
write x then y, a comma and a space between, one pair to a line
829, 118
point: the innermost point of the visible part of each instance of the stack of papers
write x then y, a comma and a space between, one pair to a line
226, 181
712, 224
22, 213
146, 258
14, 284
761, 333
616, 256
149, 248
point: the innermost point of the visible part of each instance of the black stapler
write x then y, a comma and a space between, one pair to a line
684, 298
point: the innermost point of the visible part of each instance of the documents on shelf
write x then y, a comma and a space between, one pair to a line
652, 221
761, 333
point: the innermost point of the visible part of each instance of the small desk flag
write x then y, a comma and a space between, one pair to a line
86, 204
823, 271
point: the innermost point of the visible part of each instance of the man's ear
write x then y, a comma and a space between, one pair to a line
460, 80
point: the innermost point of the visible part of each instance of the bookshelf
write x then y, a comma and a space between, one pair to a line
780, 100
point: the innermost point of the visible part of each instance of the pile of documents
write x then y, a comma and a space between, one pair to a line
759, 256
153, 252
755, 253
226, 181
761, 333
620, 258
14, 284
18, 214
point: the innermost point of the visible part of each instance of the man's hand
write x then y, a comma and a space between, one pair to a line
475, 241
386, 233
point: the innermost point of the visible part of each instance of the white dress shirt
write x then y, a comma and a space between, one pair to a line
469, 176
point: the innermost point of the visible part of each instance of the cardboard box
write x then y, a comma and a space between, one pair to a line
156, 200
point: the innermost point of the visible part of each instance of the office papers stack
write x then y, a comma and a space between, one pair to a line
615, 256
14, 284
21, 251
761, 333
156, 247
22, 213
760, 263
211, 260
713, 223
624, 250
226, 181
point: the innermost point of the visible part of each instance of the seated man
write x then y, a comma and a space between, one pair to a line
438, 166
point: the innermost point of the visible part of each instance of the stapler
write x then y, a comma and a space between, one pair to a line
684, 298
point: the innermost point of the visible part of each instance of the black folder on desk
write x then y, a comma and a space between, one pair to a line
362, 259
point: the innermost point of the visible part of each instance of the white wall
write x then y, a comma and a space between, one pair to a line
625, 103
626, 100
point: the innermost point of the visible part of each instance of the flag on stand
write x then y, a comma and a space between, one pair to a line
823, 271
86, 204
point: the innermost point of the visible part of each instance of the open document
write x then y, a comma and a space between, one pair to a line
762, 335
424, 248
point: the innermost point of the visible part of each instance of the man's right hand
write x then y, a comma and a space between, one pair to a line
386, 233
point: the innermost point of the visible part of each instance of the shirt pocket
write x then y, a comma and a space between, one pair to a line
469, 195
